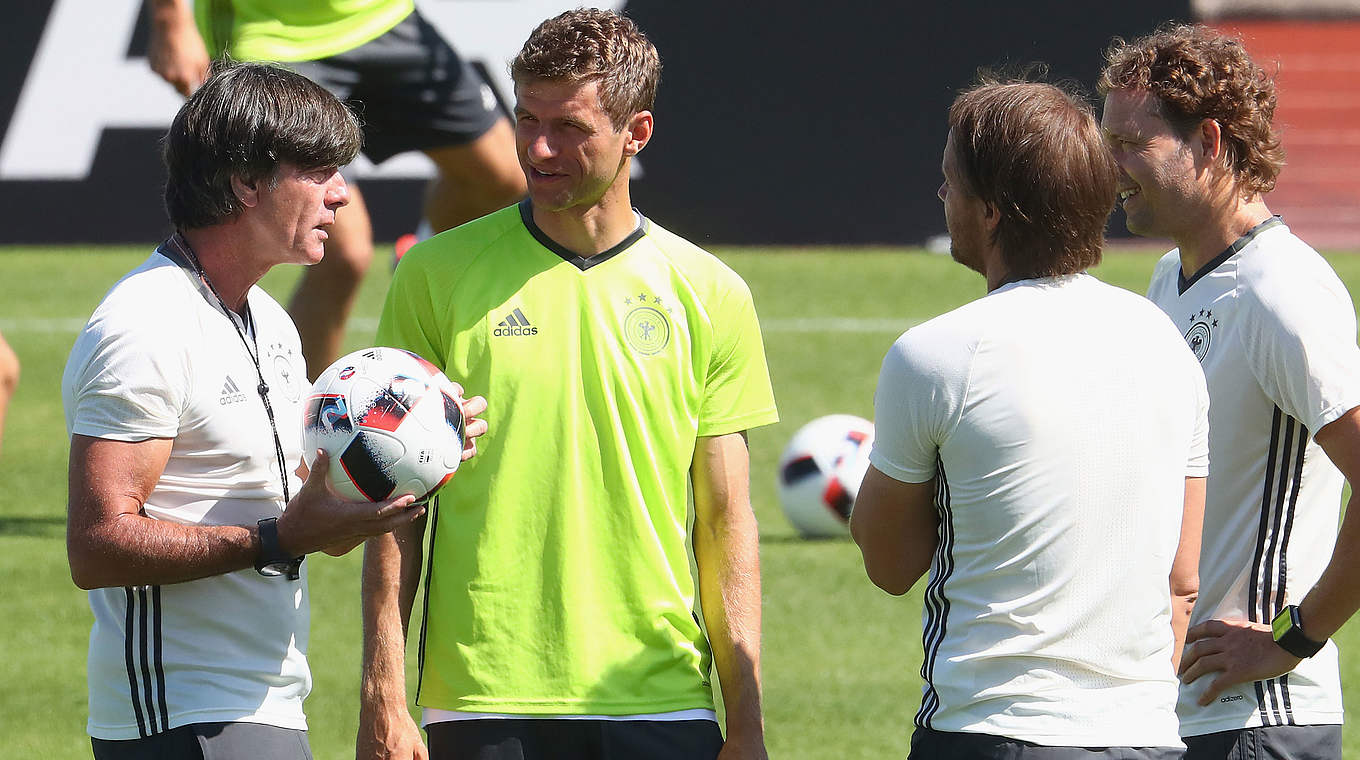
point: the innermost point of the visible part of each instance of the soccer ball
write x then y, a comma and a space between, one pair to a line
390, 422
820, 472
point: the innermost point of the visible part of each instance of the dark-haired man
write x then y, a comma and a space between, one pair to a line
1021, 437
1188, 117
561, 618
188, 521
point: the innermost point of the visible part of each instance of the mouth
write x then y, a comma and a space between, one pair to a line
1128, 193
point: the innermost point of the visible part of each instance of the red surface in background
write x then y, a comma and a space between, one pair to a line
1317, 76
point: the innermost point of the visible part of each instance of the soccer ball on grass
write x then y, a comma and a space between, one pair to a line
820, 472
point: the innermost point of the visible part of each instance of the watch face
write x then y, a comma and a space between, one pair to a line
1281, 624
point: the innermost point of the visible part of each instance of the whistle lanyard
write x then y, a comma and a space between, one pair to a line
180, 247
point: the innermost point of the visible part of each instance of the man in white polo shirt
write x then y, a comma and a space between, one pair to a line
1042, 452
188, 522
1188, 116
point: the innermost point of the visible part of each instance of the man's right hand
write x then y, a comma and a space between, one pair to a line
176, 51
388, 734
319, 520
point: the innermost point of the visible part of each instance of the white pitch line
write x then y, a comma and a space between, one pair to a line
72, 325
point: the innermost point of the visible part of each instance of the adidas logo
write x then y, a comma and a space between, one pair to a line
515, 323
231, 394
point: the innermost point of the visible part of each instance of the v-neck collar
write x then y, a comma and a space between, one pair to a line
1183, 283
526, 214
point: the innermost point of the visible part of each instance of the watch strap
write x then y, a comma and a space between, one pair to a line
1287, 630
272, 560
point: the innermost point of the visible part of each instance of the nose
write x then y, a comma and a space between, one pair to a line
540, 147
337, 193
941, 192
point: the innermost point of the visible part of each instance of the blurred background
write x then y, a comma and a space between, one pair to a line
787, 123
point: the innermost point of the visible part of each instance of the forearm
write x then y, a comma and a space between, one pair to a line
1184, 578
132, 550
391, 575
727, 554
1181, 607
1336, 596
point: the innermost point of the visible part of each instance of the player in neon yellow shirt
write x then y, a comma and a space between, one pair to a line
412, 89
568, 576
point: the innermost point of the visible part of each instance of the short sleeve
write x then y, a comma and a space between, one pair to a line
126, 384
737, 391
1197, 465
408, 318
1299, 339
918, 403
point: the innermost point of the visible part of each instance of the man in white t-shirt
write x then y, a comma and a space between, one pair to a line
1188, 117
188, 520
1042, 452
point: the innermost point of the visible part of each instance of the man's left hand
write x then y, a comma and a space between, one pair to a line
1237, 651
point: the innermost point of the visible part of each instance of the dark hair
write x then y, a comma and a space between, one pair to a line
245, 121
1034, 152
1196, 74
589, 43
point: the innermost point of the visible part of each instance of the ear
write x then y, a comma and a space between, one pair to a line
1210, 141
247, 194
991, 217
639, 132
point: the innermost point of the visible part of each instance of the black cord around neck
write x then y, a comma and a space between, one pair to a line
178, 245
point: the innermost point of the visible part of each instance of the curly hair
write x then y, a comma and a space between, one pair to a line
589, 43
1035, 153
1196, 74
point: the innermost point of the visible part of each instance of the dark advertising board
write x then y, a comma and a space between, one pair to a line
779, 123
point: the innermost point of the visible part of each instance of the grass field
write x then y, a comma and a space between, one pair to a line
841, 658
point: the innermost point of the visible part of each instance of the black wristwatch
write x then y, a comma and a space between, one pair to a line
272, 559
1287, 628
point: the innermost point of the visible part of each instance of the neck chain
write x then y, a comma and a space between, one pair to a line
177, 244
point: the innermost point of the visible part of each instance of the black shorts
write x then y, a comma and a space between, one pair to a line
566, 739
410, 90
929, 744
210, 741
1268, 743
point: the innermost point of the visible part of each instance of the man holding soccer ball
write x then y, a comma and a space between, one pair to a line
622, 364
188, 522
1188, 117
1041, 452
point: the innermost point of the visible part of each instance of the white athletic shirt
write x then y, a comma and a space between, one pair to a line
159, 359
1274, 329
1062, 416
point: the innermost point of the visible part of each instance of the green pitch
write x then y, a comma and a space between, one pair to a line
841, 658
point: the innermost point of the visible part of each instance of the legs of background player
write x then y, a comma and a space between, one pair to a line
326, 292
474, 179
9, 379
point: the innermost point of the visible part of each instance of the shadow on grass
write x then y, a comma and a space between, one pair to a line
37, 527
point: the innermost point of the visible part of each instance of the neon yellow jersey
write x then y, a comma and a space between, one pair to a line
560, 579
294, 30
